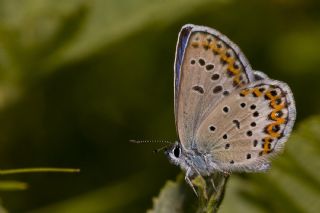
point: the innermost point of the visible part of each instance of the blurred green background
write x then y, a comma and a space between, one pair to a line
78, 79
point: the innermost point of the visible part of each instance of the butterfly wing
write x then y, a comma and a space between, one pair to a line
248, 127
180, 51
208, 68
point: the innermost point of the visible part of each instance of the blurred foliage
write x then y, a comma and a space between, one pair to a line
79, 78
13, 185
174, 198
171, 197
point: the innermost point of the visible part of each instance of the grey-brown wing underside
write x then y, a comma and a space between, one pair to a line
245, 129
208, 68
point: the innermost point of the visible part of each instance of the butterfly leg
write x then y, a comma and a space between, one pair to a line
187, 179
213, 185
211, 165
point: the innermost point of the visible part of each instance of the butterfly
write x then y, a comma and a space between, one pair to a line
229, 117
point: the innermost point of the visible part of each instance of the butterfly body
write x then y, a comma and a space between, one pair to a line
229, 117
189, 160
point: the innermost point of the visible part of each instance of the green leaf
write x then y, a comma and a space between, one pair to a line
171, 198
175, 198
30, 32
211, 191
111, 21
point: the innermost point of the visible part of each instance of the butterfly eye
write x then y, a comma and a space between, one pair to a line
176, 151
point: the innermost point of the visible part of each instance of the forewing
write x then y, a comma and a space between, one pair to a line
248, 127
208, 68
180, 50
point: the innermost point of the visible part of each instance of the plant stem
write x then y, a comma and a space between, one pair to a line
211, 192
38, 170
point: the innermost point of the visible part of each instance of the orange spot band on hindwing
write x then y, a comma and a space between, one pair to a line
256, 92
277, 106
274, 116
244, 92
267, 145
268, 94
273, 129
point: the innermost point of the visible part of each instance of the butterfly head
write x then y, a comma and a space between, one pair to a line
176, 154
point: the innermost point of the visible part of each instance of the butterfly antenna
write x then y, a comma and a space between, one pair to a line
169, 143
160, 149
150, 141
